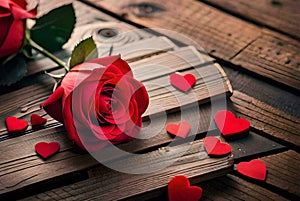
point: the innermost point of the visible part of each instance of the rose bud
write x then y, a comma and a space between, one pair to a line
100, 103
12, 25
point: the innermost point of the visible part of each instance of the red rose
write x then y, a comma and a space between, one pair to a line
12, 25
99, 103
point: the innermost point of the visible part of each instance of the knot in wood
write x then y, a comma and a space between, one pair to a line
145, 9
108, 32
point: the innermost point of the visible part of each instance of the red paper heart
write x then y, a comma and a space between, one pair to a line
255, 169
180, 130
13, 124
229, 125
46, 150
214, 147
183, 83
37, 120
179, 189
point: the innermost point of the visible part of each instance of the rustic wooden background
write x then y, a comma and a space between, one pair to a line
257, 44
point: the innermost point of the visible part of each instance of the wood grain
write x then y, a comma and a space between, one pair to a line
223, 36
266, 12
267, 119
107, 184
20, 167
283, 173
206, 25
231, 187
33, 169
268, 93
272, 57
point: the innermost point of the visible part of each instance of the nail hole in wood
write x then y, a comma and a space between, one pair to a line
276, 3
288, 61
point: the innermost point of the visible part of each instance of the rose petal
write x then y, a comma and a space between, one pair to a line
74, 79
13, 26
69, 124
21, 3
116, 61
4, 4
85, 141
21, 13
6, 21
141, 96
53, 105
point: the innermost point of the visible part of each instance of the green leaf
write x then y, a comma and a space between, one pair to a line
12, 70
54, 29
84, 51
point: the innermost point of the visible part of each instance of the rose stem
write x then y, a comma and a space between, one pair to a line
35, 46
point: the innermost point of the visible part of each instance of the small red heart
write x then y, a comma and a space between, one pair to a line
37, 120
214, 147
13, 124
179, 189
255, 169
46, 150
183, 83
180, 130
229, 125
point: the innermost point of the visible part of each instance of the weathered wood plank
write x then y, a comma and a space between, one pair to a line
223, 36
283, 174
283, 171
228, 187
253, 146
266, 13
143, 48
20, 167
272, 57
192, 18
270, 94
112, 185
194, 163
231, 187
267, 119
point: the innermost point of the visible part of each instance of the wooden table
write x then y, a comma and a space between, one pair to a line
256, 43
